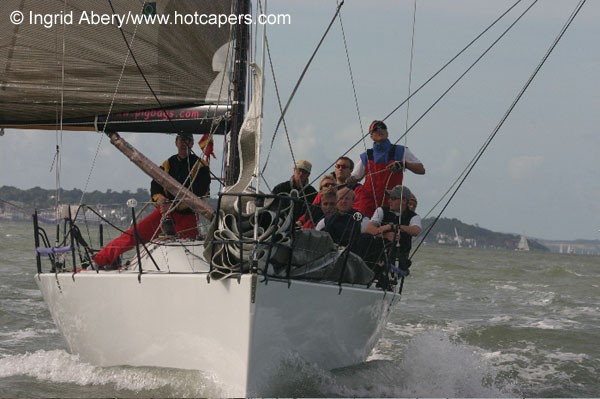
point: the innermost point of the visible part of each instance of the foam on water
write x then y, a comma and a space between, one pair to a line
13, 337
435, 366
432, 365
500, 319
539, 298
58, 366
546, 323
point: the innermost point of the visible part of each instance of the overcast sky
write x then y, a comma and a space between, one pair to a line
539, 176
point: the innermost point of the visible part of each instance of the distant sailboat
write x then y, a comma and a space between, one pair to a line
523, 245
457, 238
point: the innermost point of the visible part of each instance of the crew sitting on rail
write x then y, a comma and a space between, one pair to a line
318, 210
298, 181
345, 225
396, 225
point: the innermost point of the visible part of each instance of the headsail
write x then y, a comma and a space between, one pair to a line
84, 70
523, 244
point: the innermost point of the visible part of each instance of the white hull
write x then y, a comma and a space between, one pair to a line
225, 328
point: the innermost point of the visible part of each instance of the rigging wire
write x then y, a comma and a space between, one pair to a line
355, 97
410, 72
410, 75
57, 162
279, 104
358, 113
512, 106
300, 79
257, 173
95, 158
435, 74
461, 76
455, 83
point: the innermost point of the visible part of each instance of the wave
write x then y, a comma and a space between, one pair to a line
60, 367
431, 365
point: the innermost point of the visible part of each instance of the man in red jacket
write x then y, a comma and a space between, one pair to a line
382, 166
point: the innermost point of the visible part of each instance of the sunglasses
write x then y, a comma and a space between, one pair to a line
342, 167
378, 128
327, 185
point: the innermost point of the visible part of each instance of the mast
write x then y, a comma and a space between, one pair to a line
242, 38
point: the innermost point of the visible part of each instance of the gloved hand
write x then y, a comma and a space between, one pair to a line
397, 166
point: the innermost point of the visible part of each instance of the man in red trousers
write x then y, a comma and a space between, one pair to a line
189, 170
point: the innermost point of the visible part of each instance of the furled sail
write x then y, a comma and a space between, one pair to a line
59, 63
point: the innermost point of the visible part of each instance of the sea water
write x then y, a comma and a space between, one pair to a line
470, 323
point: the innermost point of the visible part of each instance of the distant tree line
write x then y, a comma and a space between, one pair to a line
42, 198
485, 238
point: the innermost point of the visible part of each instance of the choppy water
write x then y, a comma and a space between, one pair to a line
470, 324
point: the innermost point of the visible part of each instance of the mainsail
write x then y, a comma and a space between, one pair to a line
150, 72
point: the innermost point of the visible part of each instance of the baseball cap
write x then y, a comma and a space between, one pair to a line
377, 126
304, 165
399, 191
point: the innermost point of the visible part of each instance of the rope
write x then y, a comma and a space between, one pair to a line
512, 106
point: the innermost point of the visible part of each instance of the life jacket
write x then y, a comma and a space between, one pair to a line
378, 179
391, 217
180, 171
343, 228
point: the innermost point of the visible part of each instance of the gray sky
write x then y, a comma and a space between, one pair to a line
538, 177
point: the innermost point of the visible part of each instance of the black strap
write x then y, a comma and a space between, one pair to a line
392, 153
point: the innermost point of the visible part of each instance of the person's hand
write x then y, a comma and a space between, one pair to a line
396, 166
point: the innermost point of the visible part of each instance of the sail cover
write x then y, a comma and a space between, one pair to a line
62, 59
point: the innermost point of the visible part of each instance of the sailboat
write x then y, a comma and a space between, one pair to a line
523, 244
241, 300
253, 291
457, 238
